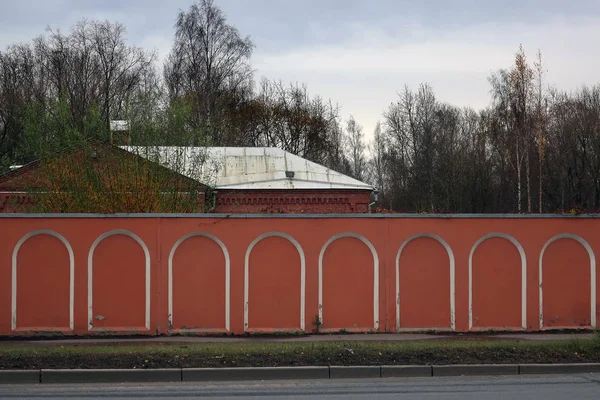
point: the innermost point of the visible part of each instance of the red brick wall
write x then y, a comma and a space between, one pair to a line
292, 202
14, 202
253, 202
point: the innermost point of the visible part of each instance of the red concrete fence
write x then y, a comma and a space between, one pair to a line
203, 274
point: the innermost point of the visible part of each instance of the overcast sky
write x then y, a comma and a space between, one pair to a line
360, 54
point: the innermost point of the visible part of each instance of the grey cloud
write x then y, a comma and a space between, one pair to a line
277, 25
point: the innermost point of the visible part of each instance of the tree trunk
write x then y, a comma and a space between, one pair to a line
518, 177
541, 176
528, 172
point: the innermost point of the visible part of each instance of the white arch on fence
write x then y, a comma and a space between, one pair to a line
71, 273
375, 273
91, 275
292, 240
227, 273
592, 258
519, 247
452, 275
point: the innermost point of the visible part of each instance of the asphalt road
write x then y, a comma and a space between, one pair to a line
548, 387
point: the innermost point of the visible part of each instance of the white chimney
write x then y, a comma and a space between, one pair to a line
119, 125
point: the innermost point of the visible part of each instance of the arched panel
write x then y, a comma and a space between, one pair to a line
425, 284
567, 283
274, 284
199, 268
119, 283
349, 284
43, 269
497, 283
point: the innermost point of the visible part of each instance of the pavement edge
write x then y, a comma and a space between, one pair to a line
284, 373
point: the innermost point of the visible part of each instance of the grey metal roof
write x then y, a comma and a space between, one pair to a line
248, 168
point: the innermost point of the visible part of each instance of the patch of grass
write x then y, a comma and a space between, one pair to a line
296, 354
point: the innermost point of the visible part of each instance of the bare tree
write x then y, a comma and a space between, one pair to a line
397, 122
378, 160
411, 123
21, 87
121, 67
209, 61
521, 84
426, 156
286, 116
540, 123
337, 159
511, 91
11, 102
356, 148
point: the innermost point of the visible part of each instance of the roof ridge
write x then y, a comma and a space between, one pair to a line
251, 173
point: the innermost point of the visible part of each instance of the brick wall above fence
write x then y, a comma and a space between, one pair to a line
317, 201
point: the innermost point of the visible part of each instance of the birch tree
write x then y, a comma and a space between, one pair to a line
209, 62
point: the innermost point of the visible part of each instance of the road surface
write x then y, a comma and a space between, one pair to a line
548, 387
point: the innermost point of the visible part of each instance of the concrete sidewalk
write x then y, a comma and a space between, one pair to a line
384, 337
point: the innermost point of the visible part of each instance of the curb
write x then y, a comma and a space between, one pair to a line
32, 376
406, 371
345, 372
283, 373
234, 374
475, 370
525, 369
109, 375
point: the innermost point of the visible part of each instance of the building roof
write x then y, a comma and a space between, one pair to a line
33, 175
248, 168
